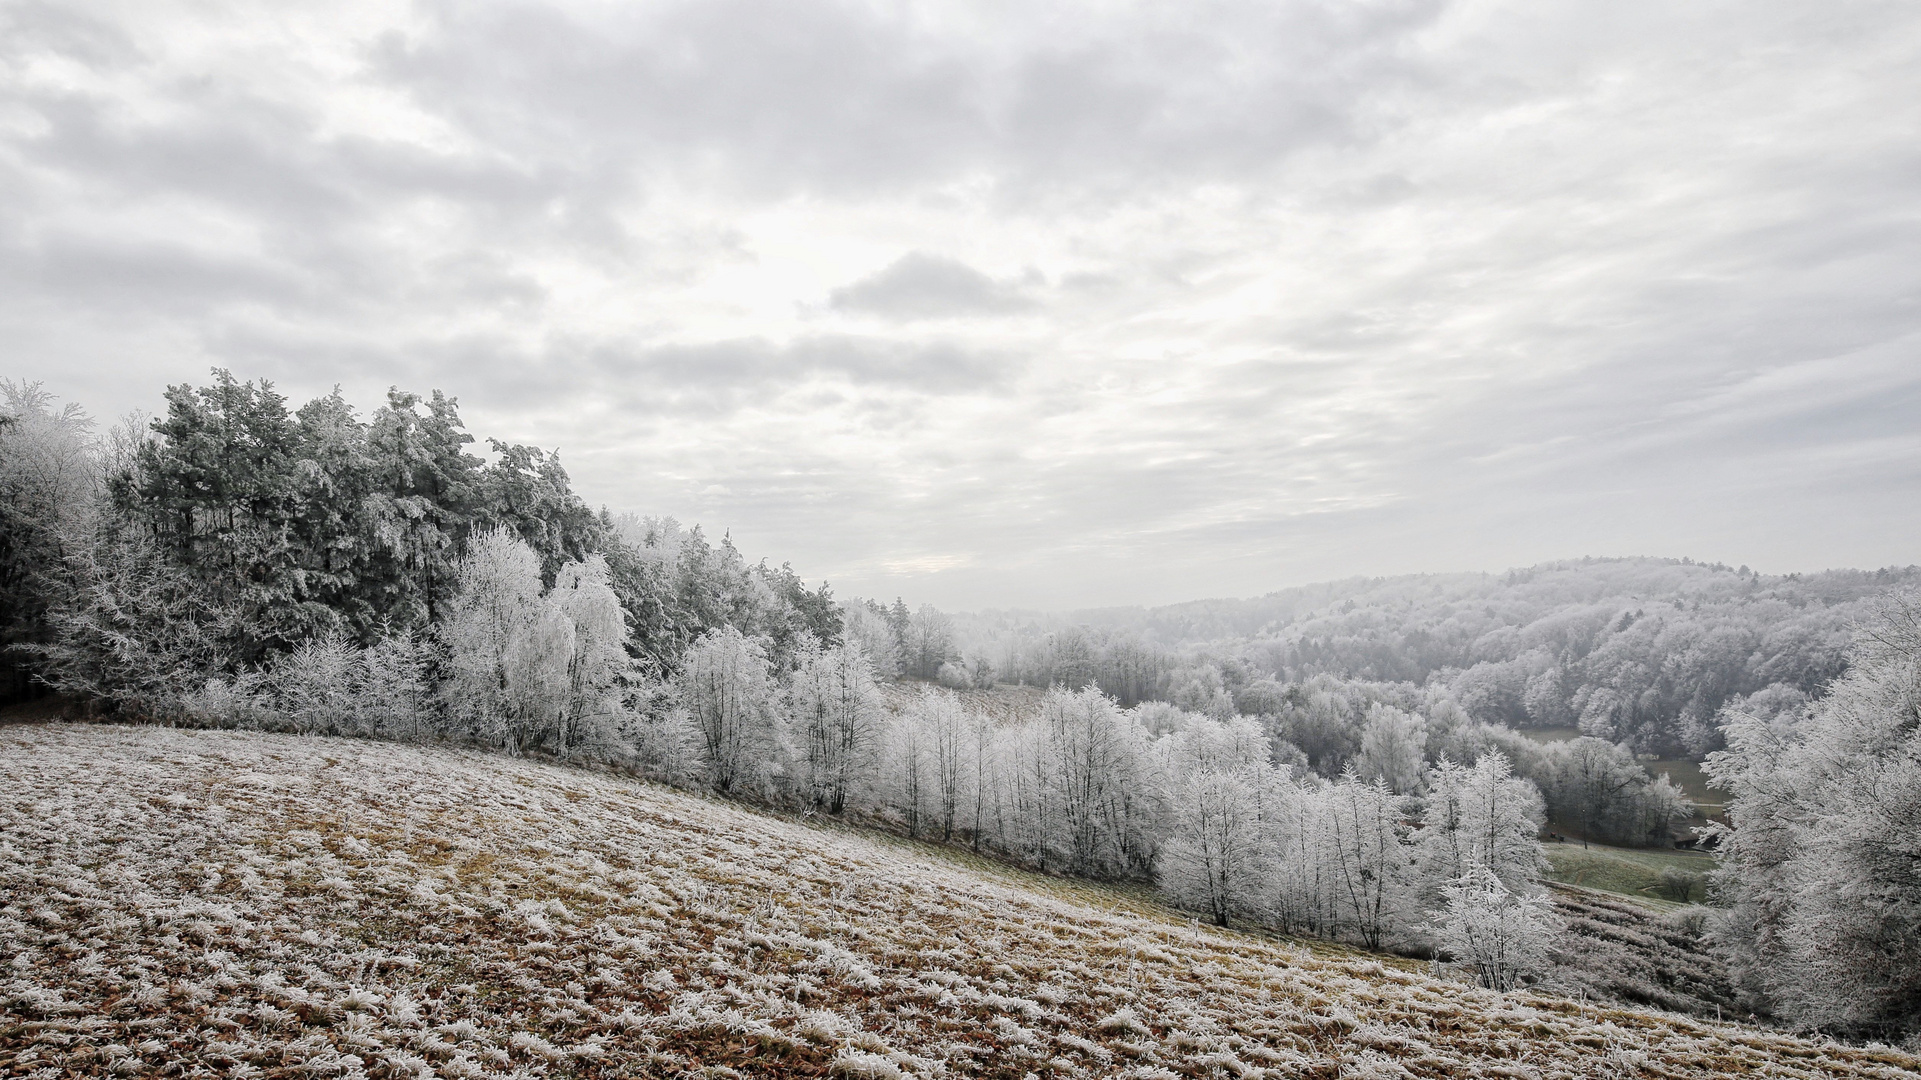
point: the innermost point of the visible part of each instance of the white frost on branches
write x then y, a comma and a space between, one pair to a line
1499, 936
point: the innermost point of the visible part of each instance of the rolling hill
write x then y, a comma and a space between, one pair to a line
187, 902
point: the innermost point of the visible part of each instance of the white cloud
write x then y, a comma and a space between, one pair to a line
1053, 305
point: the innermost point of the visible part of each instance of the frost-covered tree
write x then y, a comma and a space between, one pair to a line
730, 695
1393, 748
1500, 936
128, 632
1303, 867
1365, 845
985, 786
1222, 791
1597, 788
934, 764
1029, 813
1098, 753
498, 632
1201, 689
929, 642
537, 678
1820, 865
834, 723
533, 668
1480, 815
947, 728
910, 767
597, 659
660, 736
866, 623
397, 699
49, 488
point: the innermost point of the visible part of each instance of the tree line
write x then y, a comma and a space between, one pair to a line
228, 532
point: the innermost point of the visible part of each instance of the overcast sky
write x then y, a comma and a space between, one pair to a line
1020, 304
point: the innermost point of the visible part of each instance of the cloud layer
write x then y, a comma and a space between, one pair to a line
1002, 304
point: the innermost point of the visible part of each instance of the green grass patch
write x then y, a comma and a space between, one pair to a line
1644, 875
1687, 776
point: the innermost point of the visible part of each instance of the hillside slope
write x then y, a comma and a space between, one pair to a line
260, 905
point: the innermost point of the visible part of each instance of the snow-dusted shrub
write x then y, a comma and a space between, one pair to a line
313, 688
1499, 936
235, 702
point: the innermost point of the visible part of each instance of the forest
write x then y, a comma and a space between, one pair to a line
1644, 651
1347, 761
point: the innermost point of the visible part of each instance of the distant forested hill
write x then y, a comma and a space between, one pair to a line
1643, 650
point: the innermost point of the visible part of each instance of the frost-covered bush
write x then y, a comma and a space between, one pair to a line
1499, 936
954, 676
330, 686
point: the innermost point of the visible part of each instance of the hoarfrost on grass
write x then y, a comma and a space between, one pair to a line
248, 904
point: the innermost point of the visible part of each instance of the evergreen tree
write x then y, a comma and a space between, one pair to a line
49, 479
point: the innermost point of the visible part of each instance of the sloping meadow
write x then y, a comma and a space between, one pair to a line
190, 903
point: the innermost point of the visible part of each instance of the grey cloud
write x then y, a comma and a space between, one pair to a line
121, 276
845, 99
919, 285
28, 27
725, 375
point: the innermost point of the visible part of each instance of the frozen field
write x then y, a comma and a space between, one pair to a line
190, 903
